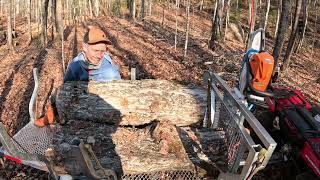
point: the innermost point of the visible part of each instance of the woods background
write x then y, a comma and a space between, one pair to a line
283, 20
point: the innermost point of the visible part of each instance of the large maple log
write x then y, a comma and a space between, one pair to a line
131, 102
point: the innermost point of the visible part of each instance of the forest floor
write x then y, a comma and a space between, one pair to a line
147, 46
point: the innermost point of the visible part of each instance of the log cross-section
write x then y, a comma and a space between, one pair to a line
135, 102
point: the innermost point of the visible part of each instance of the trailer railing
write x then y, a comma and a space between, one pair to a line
226, 111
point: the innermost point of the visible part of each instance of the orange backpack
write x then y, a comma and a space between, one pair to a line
261, 68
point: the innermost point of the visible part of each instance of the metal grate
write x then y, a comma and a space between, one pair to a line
33, 139
225, 118
163, 175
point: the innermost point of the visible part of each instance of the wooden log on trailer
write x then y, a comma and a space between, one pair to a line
159, 146
133, 103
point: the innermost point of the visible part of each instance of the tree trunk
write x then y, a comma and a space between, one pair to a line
60, 10
131, 102
226, 20
176, 31
29, 20
163, 14
17, 7
54, 29
14, 14
9, 25
150, 7
39, 20
201, 5
278, 16
292, 40
58, 18
302, 27
283, 26
252, 15
96, 4
1, 6
133, 9
266, 15
44, 17
216, 24
90, 9
142, 12
316, 29
187, 28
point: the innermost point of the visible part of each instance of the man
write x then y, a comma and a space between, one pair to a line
93, 63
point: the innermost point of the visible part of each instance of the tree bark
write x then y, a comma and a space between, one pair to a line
96, 4
9, 25
142, 12
266, 15
187, 28
1, 6
252, 15
278, 17
163, 14
29, 20
14, 14
216, 24
292, 39
58, 17
131, 102
54, 29
226, 20
283, 26
150, 7
133, 9
39, 10
90, 9
44, 16
176, 30
201, 5
302, 28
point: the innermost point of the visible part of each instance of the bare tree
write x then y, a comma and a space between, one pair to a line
163, 14
315, 26
252, 14
283, 25
303, 26
59, 14
226, 19
44, 17
90, 8
29, 20
266, 15
1, 6
292, 39
150, 7
176, 32
14, 13
96, 5
187, 28
278, 16
142, 9
9, 30
216, 25
133, 9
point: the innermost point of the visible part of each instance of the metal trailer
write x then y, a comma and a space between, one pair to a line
226, 111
